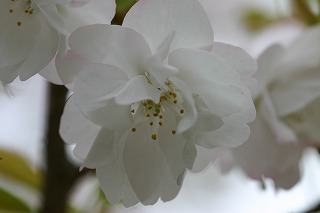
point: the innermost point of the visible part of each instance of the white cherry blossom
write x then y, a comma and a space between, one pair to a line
32, 31
288, 115
150, 91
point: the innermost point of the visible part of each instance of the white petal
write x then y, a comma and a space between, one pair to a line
9, 73
112, 180
76, 129
237, 59
50, 73
263, 156
296, 92
303, 53
205, 157
289, 179
103, 150
170, 186
69, 66
129, 197
157, 64
118, 46
42, 54
17, 41
218, 85
93, 93
83, 13
156, 19
190, 115
144, 163
208, 122
268, 63
234, 130
137, 89
172, 145
189, 155
159, 70
282, 132
51, 13
164, 47
233, 133
305, 123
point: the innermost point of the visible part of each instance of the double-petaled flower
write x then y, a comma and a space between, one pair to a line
148, 93
32, 31
288, 116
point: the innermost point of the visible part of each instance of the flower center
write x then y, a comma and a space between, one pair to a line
18, 9
155, 112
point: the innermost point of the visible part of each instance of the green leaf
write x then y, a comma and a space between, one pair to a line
15, 167
255, 19
9, 202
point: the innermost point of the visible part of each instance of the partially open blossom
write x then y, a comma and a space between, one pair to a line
288, 116
150, 91
32, 31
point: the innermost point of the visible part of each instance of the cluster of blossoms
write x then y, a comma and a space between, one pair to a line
157, 96
35, 31
287, 100
146, 95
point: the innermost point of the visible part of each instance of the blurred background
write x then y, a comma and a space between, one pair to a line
250, 24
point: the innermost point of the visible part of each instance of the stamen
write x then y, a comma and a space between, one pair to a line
19, 23
133, 129
173, 132
154, 136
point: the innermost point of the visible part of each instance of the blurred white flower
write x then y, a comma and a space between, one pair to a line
288, 116
152, 90
34, 30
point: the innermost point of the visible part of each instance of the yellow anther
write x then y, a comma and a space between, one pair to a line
150, 107
181, 111
147, 115
173, 132
155, 114
151, 123
11, 11
133, 129
154, 137
160, 116
175, 101
19, 23
160, 123
132, 111
144, 104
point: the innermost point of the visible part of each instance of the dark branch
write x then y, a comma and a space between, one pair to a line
60, 175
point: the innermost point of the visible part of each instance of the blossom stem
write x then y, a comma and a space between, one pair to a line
60, 174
